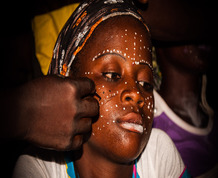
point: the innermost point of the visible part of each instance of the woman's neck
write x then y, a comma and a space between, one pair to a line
182, 92
92, 165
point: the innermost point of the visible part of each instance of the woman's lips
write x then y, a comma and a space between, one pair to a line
131, 122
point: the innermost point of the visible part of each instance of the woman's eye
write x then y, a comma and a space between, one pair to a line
111, 76
147, 86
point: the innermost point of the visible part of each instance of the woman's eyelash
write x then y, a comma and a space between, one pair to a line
111, 76
147, 86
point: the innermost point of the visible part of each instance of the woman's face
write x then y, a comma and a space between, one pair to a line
117, 58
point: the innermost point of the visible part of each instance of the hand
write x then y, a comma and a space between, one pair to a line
58, 112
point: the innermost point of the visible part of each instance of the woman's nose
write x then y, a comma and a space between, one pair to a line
132, 97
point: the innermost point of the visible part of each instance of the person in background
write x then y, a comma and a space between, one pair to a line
183, 38
182, 110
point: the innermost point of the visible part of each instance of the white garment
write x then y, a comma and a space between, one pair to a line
160, 159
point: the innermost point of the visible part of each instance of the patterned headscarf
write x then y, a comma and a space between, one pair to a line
81, 25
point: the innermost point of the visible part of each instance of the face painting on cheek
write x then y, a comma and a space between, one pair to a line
119, 107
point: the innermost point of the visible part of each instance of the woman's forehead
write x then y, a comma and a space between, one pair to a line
122, 24
123, 32
130, 40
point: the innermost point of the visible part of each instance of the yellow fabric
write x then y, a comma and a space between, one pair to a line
46, 28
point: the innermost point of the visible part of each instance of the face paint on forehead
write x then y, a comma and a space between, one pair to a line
136, 61
136, 56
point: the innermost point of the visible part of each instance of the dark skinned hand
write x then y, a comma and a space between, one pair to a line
52, 112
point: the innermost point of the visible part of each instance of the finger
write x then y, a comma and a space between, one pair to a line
88, 107
84, 86
82, 133
76, 143
84, 126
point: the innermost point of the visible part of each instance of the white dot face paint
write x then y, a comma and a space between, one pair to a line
133, 49
137, 42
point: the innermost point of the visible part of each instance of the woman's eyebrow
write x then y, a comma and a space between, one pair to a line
147, 64
108, 53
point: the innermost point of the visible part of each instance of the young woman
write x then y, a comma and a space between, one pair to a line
108, 42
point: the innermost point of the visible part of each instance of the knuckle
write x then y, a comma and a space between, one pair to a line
94, 106
91, 84
71, 88
76, 142
62, 144
87, 125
